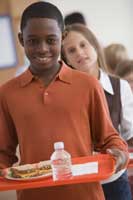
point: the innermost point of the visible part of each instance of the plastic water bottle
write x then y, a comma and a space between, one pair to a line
61, 162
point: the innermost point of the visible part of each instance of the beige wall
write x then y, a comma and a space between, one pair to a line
9, 7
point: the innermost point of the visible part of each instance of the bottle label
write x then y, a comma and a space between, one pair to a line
61, 162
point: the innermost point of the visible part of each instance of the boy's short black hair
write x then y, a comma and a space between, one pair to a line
42, 10
74, 17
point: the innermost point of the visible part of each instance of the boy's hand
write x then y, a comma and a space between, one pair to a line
120, 157
130, 142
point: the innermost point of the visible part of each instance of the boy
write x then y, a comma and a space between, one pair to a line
51, 102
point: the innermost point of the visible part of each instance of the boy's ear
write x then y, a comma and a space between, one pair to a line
20, 37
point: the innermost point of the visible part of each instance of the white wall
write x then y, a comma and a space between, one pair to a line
111, 20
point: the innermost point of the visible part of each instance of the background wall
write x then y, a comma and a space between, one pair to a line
110, 20
14, 10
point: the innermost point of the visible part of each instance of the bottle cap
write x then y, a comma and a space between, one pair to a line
59, 145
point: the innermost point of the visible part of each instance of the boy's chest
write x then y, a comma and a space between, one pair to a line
40, 101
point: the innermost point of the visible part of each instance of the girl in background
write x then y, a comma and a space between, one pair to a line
125, 70
81, 51
114, 54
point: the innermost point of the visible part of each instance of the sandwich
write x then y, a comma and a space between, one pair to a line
24, 171
31, 170
44, 167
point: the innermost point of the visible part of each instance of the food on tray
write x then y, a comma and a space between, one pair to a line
44, 167
24, 171
30, 170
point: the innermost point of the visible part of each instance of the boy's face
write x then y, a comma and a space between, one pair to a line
41, 39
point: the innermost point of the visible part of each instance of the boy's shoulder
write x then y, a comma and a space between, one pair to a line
11, 84
84, 78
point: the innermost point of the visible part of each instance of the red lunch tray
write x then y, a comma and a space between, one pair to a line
106, 165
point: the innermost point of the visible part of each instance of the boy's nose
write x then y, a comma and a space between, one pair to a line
43, 46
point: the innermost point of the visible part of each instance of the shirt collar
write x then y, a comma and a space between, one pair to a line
105, 82
25, 78
65, 75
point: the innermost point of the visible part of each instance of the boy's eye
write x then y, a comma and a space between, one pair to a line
32, 41
51, 41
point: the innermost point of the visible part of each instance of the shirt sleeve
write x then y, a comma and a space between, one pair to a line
8, 138
126, 126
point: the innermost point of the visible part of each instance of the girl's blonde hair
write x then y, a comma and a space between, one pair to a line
124, 68
114, 54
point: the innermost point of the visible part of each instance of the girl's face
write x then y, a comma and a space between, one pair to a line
79, 53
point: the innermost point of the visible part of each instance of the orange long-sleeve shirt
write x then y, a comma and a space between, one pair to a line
71, 109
